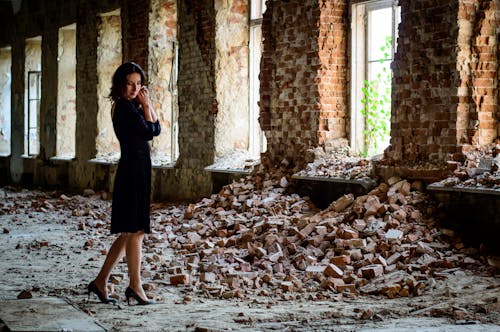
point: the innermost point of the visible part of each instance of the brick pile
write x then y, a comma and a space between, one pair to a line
479, 169
254, 238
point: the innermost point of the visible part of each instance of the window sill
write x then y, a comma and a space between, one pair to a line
99, 161
464, 189
5, 155
62, 158
163, 166
215, 169
365, 183
25, 156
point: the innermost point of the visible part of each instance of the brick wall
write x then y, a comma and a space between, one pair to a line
333, 85
445, 88
197, 104
135, 27
497, 5
424, 98
478, 65
303, 76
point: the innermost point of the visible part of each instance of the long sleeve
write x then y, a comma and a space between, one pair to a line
156, 128
135, 124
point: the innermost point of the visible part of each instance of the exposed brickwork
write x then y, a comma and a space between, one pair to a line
332, 75
478, 65
424, 99
135, 19
445, 91
266, 67
196, 97
303, 76
497, 10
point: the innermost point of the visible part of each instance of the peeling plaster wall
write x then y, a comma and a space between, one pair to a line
109, 57
66, 97
231, 75
162, 44
5, 93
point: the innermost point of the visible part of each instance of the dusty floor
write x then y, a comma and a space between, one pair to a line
55, 252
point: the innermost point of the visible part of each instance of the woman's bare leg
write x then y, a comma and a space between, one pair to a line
115, 253
133, 251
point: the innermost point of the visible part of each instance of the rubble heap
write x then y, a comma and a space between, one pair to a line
254, 238
338, 162
349, 168
480, 168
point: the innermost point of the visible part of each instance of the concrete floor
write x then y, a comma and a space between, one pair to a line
47, 254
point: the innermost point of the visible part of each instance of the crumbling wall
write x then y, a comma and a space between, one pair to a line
109, 57
303, 76
66, 93
162, 79
82, 174
197, 98
232, 127
333, 85
478, 69
424, 97
135, 15
5, 92
497, 39
445, 83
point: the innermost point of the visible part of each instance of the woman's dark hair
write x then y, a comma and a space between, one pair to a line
120, 78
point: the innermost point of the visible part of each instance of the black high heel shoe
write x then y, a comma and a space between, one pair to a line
92, 288
129, 292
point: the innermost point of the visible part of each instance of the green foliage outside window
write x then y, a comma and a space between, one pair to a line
377, 105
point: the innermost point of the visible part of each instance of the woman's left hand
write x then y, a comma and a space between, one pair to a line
143, 97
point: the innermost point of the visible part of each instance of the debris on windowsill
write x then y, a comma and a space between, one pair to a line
479, 170
236, 161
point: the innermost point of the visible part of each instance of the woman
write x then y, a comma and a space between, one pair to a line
135, 123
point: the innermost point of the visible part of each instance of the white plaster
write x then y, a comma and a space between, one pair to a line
232, 81
109, 57
66, 93
5, 100
162, 78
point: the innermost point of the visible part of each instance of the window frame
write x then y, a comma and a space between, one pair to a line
360, 62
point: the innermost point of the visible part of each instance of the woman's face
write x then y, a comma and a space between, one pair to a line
132, 85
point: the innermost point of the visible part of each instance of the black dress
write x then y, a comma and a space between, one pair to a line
132, 188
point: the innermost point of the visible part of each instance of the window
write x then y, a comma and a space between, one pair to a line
162, 79
109, 57
374, 36
5, 101
238, 137
66, 93
33, 81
